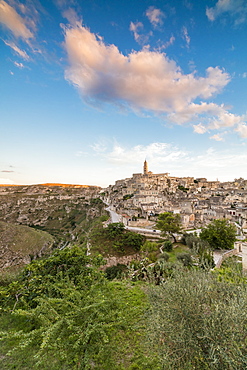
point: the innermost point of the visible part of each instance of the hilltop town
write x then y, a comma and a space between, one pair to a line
140, 198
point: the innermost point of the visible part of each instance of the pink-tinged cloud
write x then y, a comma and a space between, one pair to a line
18, 51
13, 21
200, 129
144, 80
242, 130
136, 28
217, 137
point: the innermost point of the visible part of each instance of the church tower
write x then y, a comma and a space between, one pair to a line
145, 168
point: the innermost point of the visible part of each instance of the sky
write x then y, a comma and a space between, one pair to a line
90, 89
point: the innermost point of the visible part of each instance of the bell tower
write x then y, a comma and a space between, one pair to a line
145, 168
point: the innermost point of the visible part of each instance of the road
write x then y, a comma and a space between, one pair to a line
115, 217
141, 229
197, 231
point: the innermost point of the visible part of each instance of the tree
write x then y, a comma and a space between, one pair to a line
169, 224
114, 229
220, 234
133, 240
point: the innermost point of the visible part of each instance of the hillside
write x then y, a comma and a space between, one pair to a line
52, 208
20, 244
37, 216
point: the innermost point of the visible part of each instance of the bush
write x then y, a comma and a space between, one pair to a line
49, 276
149, 246
133, 240
115, 271
164, 256
185, 258
167, 246
191, 239
197, 322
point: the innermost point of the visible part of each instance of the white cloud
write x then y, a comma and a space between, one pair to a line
235, 8
186, 36
145, 81
164, 45
160, 152
14, 22
244, 74
217, 137
166, 157
155, 16
200, 129
99, 147
137, 28
19, 65
18, 51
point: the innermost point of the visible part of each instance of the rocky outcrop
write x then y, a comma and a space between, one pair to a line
125, 260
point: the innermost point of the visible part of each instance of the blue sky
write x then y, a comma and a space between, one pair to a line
90, 89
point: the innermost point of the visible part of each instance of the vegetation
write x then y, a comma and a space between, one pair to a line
115, 271
64, 312
20, 244
67, 315
116, 239
169, 224
197, 322
220, 234
165, 310
127, 196
167, 246
181, 187
201, 251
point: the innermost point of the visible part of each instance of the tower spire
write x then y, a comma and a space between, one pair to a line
145, 167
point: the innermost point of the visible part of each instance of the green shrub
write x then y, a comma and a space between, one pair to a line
167, 246
149, 246
164, 256
197, 322
115, 271
185, 258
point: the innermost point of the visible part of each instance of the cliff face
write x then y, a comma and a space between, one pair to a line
19, 244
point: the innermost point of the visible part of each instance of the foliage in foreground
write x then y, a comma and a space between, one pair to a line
71, 317
62, 313
198, 322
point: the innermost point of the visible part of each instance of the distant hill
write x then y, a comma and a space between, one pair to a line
54, 184
19, 244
